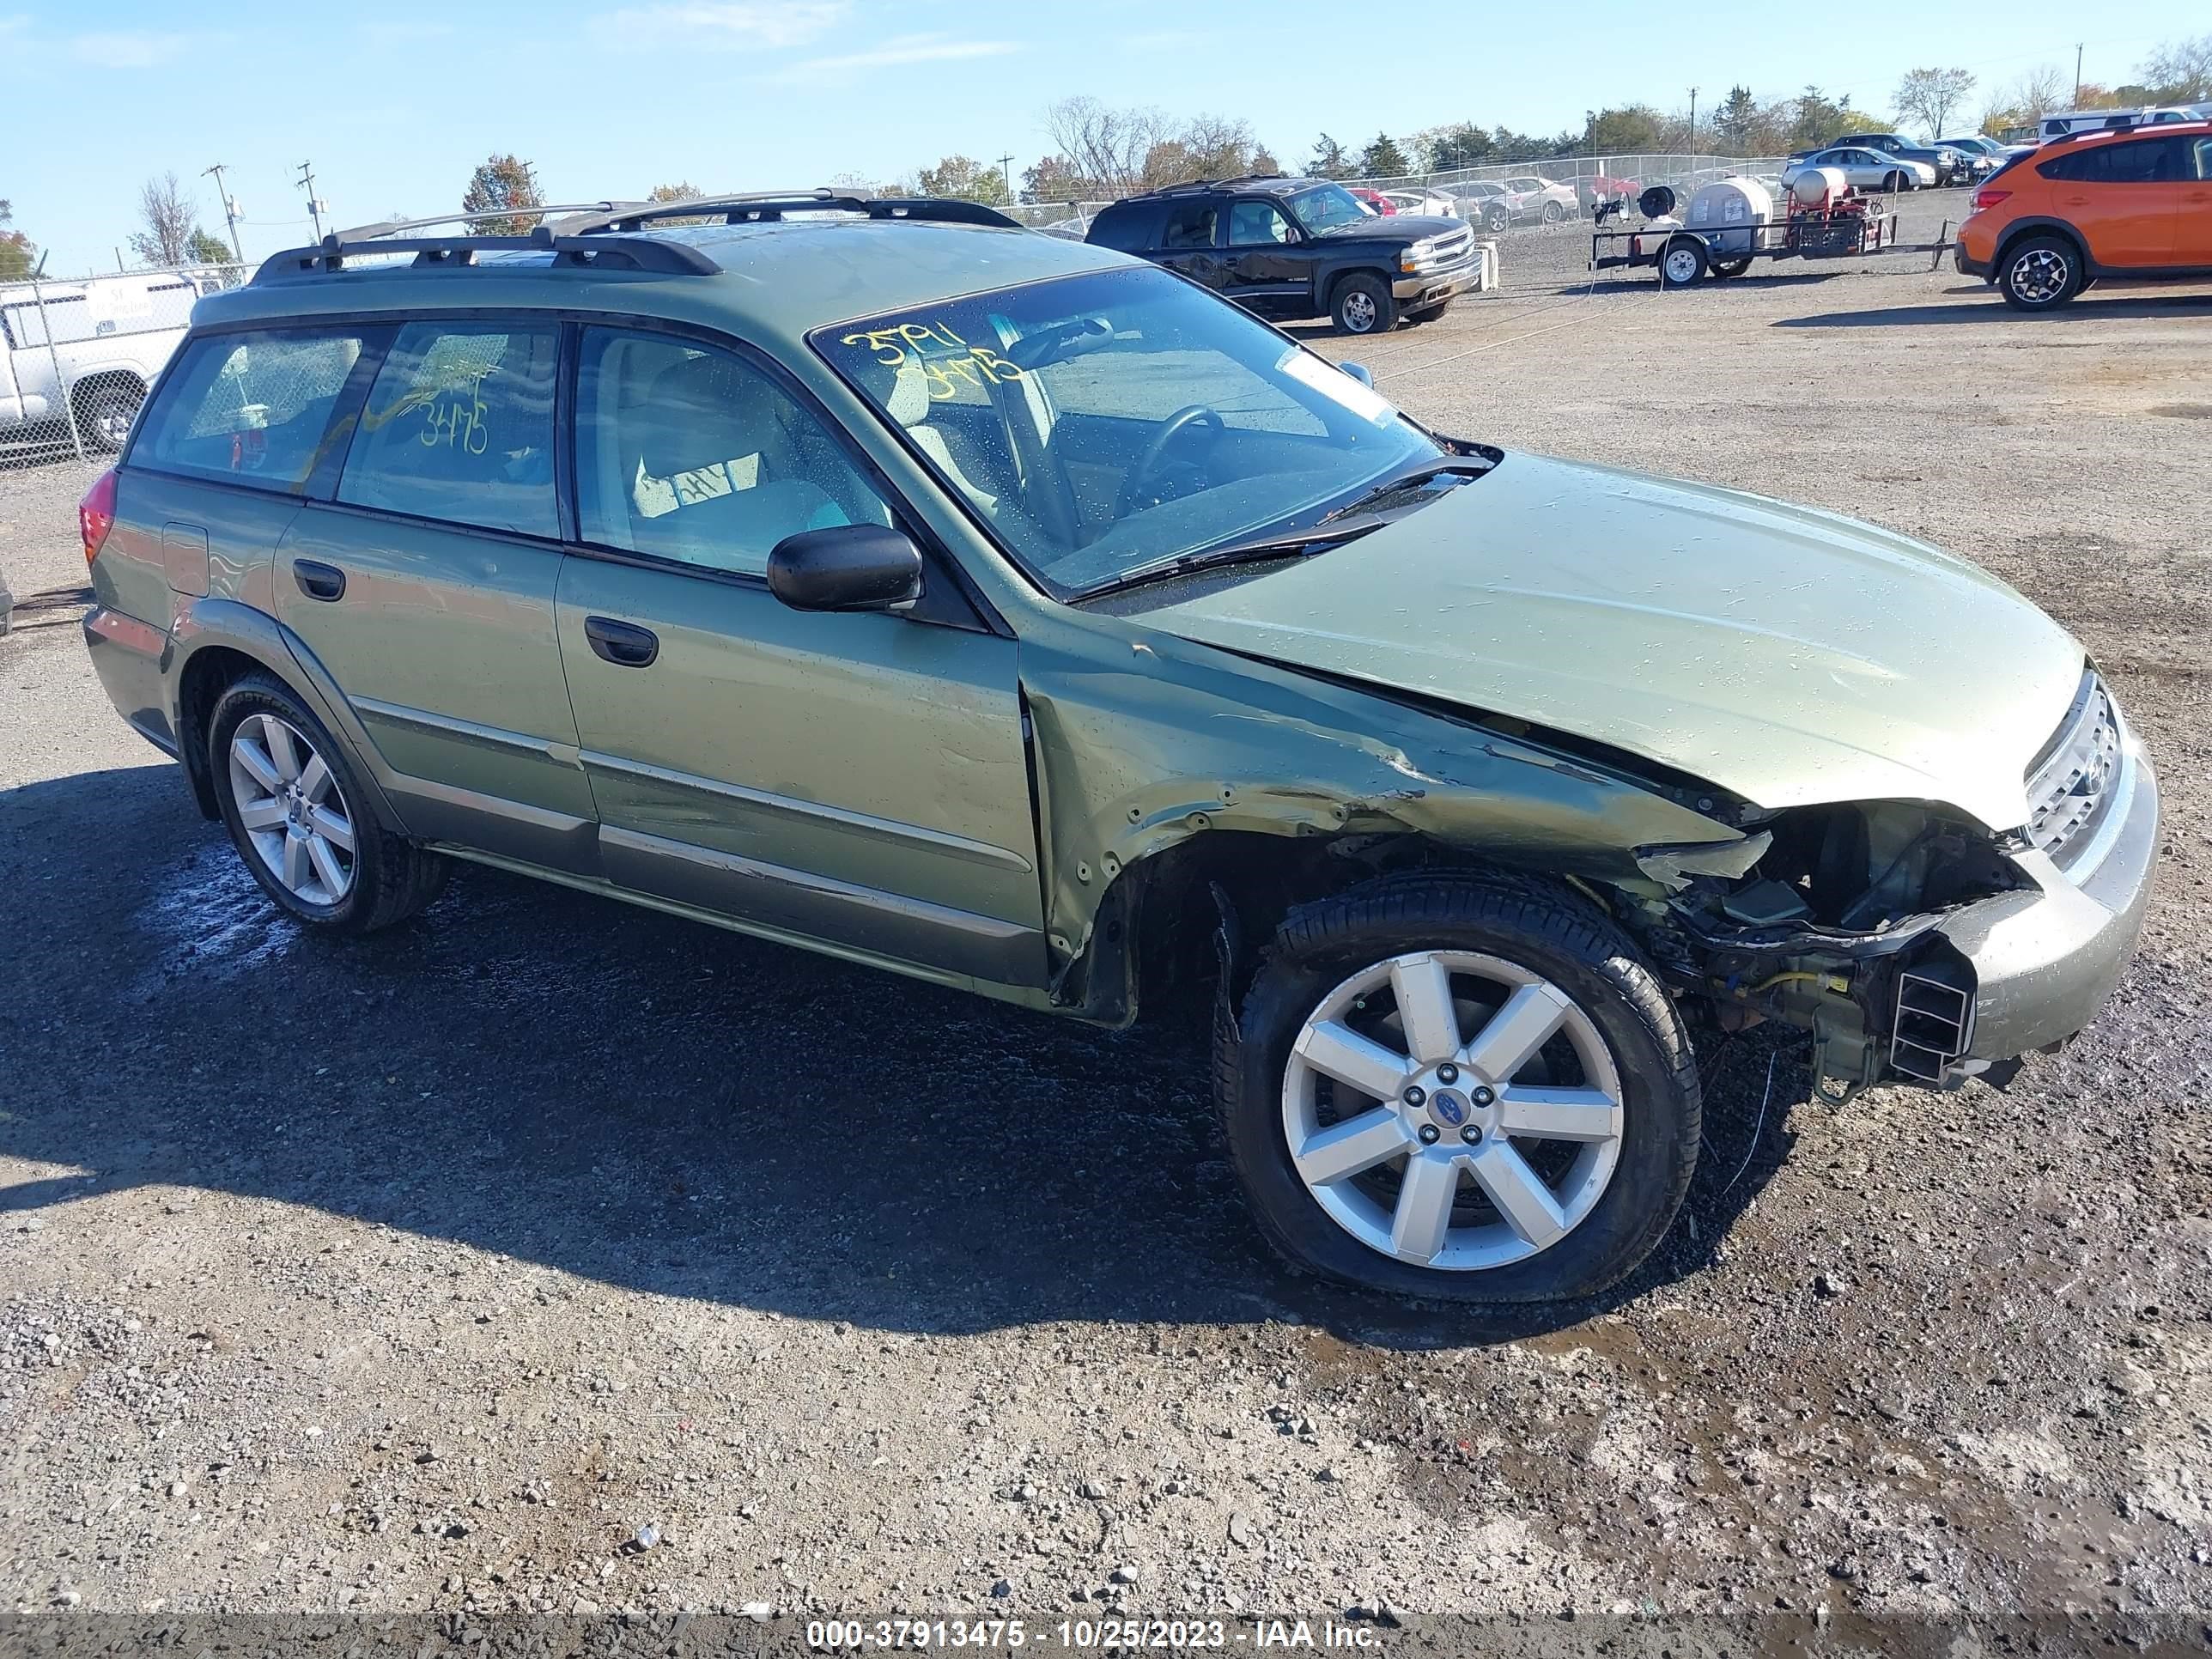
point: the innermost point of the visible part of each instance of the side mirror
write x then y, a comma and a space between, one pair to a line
1360, 373
851, 567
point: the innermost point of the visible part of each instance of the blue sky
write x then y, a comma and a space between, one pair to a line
396, 101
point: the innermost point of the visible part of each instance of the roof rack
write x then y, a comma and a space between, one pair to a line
648, 254
1211, 184
757, 207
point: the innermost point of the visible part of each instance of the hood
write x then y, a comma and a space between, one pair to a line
1394, 226
1790, 656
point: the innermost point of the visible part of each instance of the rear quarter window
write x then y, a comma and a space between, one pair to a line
1125, 229
251, 409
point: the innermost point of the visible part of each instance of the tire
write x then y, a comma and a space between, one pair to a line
1730, 267
104, 415
1497, 219
1361, 304
1553, 212
1896, 184
1683, 263
1616, 1197
2040, 273
384, 878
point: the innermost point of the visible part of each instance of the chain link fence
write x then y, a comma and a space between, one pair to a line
1594, 179
76, 356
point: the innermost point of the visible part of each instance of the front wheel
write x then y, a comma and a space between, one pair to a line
1497, 219
1363, 304
1553, 212
1461, 1088
1895, 184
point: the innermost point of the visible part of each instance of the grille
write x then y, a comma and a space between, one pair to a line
2071, 786
1445, 249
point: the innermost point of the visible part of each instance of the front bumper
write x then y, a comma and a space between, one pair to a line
2043, 961
1435, 287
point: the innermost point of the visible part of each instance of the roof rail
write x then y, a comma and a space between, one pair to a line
648, 254
754, 207
543, 215
1211, 184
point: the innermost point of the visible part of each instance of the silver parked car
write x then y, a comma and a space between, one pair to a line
1865, 169
1535, 198
1432, 203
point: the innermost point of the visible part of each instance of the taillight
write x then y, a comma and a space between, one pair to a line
1988, 198
95, 513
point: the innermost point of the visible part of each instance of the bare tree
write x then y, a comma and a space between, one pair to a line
2035, 94
1929, 95
1104, 143
2180, 71
170, 223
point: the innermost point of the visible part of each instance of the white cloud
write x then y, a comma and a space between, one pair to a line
894, 53
126, 48
723, 24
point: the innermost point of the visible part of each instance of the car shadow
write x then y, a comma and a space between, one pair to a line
660, 1106
1992, 308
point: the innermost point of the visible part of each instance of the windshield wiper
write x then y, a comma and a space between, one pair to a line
1404, 481
1260, 550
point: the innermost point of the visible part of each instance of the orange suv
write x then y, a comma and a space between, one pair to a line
2133, 204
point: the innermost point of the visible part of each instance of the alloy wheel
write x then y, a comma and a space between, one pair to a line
292, 810
2038, 275
1452, 1109
1358, 312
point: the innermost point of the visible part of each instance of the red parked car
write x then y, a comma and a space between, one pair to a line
1375, 199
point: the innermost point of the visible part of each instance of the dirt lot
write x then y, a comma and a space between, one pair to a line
425, 1274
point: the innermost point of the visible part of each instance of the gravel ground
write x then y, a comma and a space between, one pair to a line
430, 1272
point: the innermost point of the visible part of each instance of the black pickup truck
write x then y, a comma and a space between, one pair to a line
1288, 248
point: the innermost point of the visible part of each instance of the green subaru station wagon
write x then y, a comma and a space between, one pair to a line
877, 576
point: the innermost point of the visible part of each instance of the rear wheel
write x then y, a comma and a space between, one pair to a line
1449, 1086
1553, 212
1363, 304
1683, 263
302, 820
1497, 218
2040, 273
104, 413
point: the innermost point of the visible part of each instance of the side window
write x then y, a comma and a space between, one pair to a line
2146, 162
253, 408
684, 452
1254, 224
2202, 158
459, 426
1125, 229
1190, 224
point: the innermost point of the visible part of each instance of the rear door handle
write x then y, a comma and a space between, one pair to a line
623, 644
325, 582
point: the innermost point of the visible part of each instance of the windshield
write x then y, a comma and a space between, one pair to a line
1327, 206
1101, 422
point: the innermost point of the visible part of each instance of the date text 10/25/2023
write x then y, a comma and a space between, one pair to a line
1086, 1635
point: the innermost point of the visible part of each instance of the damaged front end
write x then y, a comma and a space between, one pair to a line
1829, 918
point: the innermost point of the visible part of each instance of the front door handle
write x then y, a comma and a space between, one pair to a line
623, 644
325, 582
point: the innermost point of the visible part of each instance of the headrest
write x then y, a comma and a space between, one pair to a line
704, 411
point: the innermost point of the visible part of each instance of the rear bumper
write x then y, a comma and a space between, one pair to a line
2044, 960
1966, 265
131, 659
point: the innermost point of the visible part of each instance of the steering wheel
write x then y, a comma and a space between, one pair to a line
1149, 463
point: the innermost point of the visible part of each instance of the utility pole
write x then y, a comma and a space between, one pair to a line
2077, 75
230, 211
1006, 172
1693, 130
314, 207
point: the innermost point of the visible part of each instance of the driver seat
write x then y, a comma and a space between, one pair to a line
909, 407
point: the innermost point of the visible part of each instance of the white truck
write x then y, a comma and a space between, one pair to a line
90, 347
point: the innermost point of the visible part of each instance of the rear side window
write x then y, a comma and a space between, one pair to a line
1190, 224
2143, 162
253, 408
459, 426
1125, 229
